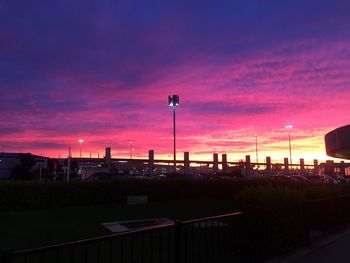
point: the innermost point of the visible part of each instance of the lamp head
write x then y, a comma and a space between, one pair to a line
173, 100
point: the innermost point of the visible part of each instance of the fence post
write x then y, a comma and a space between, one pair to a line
6, 256
177, 241
306, 222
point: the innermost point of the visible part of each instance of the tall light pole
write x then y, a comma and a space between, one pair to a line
289, 127
173, 101
81, 143
69, 157
256, 151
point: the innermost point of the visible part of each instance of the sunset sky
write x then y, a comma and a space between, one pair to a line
102, 71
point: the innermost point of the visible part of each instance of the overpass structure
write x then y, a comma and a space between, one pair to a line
187, 166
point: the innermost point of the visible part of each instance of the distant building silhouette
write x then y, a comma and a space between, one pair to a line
10, 160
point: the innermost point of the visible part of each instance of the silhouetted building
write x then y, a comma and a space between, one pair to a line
338, 142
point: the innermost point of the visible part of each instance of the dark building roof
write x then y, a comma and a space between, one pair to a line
338, 142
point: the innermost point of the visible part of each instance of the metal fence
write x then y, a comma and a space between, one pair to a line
212, 239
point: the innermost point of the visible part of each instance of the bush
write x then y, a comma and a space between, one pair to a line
33, 195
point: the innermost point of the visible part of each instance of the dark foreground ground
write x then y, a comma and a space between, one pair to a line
332, 248
336, 251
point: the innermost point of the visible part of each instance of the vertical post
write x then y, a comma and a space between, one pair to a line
247, 165
286, 164
177, 241
186, 162
315, 166
68, 169
150, 162
305, 210
108, 157
215, 163
268, 164
174, 140
302, 166
224, 163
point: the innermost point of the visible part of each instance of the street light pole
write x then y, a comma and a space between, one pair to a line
174, 131
289, 127
173, 101
256, 151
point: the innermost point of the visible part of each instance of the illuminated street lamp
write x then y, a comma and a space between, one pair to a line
173, 101
289, 127
81, 143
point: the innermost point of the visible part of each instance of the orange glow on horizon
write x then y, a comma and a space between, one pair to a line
305, 145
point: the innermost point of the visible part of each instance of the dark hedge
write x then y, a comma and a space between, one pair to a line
34, 195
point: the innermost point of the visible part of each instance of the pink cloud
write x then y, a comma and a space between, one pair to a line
223, 105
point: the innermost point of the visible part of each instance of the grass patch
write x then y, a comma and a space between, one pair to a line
27, 229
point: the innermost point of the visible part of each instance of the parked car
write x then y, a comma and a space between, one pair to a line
283, 178
300, 178
339, 178
100, 176
321, 179
136, 178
